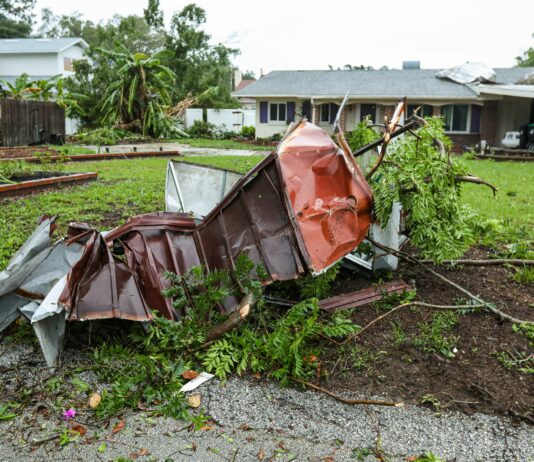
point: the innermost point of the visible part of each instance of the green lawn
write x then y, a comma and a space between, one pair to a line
124, 188
130, 187
223, 144
514, 201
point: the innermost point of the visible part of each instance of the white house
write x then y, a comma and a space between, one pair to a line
40, 58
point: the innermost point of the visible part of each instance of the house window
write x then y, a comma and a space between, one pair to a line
325, 112
426, 110
277, 112
456, 117
328, 112
368, 110
67, 64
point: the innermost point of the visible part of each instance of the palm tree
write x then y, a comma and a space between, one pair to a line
19, 89
140, 96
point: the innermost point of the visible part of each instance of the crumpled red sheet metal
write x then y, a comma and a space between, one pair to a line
298, 211
332, 204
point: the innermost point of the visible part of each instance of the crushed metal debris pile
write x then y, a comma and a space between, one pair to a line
299, 211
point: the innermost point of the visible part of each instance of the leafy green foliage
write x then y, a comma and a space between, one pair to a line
318, 286
199, 65
522, 361
435, 336
140, 95
423, 180
362, 135
6, 413
282, 349
248, 132
16, 18
51, 89
148, 375
202, 129
527, 58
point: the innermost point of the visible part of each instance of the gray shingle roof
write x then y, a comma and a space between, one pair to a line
413, 83
32, 45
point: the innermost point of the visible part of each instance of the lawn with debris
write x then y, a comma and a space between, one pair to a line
432, 361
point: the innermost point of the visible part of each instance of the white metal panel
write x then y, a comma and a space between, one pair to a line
191, 115
196, 189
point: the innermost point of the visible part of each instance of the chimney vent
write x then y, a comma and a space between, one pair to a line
411, 65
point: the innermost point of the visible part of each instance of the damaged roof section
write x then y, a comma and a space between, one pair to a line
298, 211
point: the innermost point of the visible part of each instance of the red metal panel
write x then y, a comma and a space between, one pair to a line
331, 204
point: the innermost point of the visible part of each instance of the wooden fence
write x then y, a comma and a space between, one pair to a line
25, 122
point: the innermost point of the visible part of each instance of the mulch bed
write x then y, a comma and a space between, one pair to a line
474, 380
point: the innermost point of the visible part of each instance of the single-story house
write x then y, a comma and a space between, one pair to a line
470, 114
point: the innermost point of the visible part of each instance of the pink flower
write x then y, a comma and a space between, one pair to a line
67, 415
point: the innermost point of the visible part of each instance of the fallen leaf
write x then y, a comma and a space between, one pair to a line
118, 427
140, 453
328, 459
310, 359
245, 427
261, 454
207, 427
80, 429
94, 400
194, 401
190, 374
102, 447
257, 376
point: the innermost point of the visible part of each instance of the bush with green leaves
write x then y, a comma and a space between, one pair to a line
426, 182
362, 135
248, 132
201, 129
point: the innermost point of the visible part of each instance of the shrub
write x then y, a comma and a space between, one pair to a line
202, 129
248, 132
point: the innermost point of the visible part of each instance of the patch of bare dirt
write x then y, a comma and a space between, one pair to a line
474, 380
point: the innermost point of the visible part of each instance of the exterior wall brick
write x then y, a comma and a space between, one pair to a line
316, 111
461, 139
488, 122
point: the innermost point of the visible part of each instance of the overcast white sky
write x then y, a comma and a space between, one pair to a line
311, 34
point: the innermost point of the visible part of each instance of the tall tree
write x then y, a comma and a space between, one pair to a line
201, 68
140, 94
153, 14
16, 18
527, 59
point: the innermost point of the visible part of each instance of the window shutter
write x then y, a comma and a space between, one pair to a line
290, 112
475, 118
333, 112
264, 112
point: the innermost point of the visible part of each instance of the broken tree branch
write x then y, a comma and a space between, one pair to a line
390, 128
372, 402
494, 261
488, 306
235, 318
404, 305
476, 180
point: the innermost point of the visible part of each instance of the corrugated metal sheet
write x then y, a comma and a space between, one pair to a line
298, 211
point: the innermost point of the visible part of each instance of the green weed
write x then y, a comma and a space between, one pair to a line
435, 336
